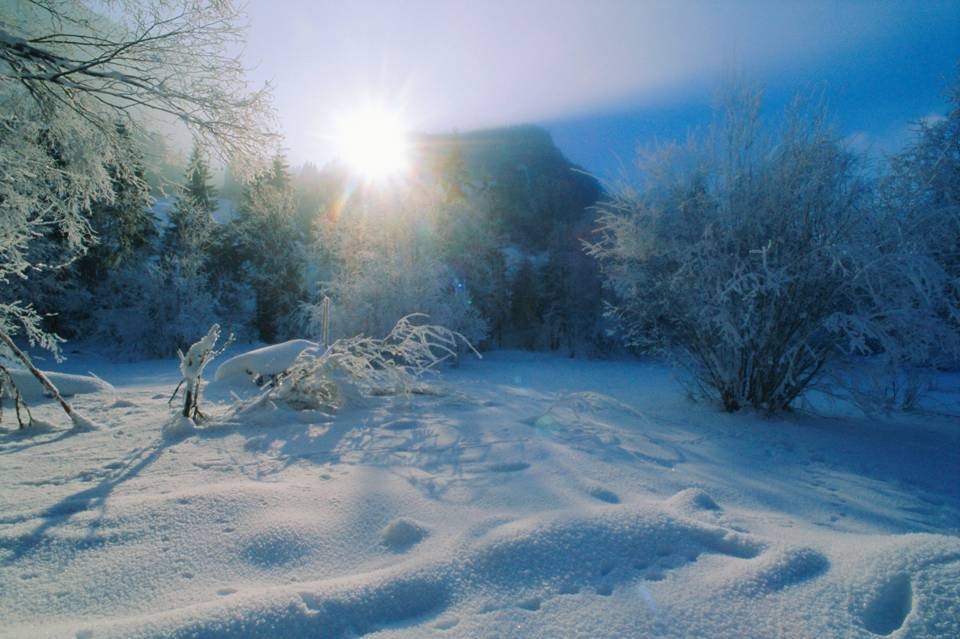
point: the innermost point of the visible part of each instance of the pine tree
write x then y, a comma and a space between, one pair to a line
570, 292
525, 307
191, 218
471, 244
264, 245
123, 225
197, 188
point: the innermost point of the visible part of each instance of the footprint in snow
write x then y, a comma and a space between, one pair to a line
508, 467
889, 607
603, 494
447, 623
402, 424
532, 604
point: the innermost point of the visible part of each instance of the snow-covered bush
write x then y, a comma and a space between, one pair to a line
756, 256
921, 194
361, 366
151, 310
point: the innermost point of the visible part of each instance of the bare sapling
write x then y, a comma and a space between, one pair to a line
192, 364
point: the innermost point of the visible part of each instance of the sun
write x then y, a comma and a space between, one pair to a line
373, 142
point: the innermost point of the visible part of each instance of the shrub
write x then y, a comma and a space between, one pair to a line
361, 366
755, 256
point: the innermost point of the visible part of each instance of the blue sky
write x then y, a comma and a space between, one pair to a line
602, 76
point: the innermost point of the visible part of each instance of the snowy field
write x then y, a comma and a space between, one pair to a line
537, 497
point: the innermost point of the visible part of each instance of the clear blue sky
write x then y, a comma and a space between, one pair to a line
603, 76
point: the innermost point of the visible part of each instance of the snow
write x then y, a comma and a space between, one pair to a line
68, 384
263, 362
538, 497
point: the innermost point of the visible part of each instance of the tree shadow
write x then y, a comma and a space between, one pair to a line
395, 434
25, 438
86, 500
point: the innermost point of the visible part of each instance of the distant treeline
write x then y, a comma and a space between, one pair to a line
484, 235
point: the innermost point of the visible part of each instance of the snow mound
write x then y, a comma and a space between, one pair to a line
402, 533
599, 547
178, 427
277, 545
693, 500
263, 362
537, 563
68, 385
781, 568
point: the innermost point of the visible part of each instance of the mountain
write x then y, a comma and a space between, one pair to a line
534, 189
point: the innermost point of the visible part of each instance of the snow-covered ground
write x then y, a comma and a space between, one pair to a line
538, 497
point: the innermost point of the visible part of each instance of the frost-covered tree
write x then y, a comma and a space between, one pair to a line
263, 248
571, 293
59, 283
198, 187
154, 304
470, 243
756, 255
122, 225
191, 217
388, 263
922, 189
69, 71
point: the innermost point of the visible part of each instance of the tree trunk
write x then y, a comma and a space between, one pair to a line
188, 402
46, 383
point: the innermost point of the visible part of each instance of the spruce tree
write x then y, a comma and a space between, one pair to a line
197, 186
525, 307
191, 218
123, 225
264, 244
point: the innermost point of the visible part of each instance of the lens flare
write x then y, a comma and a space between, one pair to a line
373, 142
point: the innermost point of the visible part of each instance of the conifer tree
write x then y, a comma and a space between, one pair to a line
197, 187
191, 218
525, 311
263, 244
124, 224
